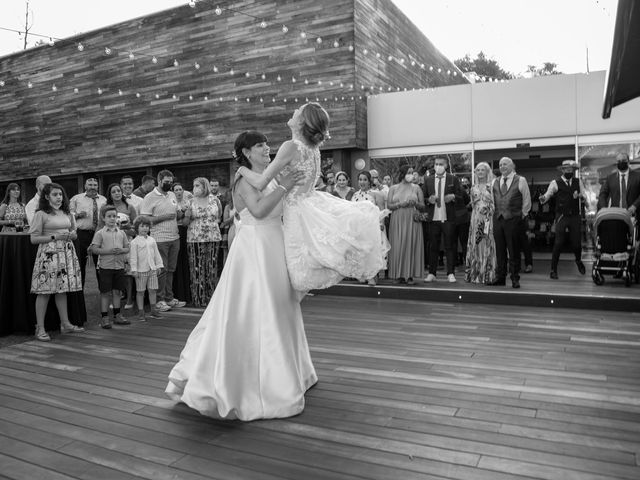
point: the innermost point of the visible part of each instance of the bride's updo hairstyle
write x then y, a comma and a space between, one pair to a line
315, 123
246, 139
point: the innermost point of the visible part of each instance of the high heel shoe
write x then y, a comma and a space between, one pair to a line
42, 335
71, 329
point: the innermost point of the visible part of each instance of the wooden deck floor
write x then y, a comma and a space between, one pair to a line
408, 390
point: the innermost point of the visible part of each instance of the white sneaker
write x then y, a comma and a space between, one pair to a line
176, 303
430, 278
451, 278
128, 306
162, 306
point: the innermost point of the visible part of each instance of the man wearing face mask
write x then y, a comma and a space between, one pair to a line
161, 207
566, 189
441, 191
624, 180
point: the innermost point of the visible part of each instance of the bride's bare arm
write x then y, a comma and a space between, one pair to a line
258, 205
286, 153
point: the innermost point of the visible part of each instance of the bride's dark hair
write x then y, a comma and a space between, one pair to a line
315, 123
246, 139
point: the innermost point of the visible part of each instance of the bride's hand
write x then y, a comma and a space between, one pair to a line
291, 179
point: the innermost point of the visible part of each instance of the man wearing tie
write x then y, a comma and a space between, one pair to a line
126, 185
512, 203
566, 188
86, 209
441, 191
621, 188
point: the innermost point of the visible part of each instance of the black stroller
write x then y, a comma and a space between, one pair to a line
616, 248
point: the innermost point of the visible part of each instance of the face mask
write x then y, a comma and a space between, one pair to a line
623, 166
439, 169
166, 187
408, 177
568, 175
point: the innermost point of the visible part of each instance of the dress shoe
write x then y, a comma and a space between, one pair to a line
528, 269
498, 282
581, 268
553, 275
515, 283
410, 281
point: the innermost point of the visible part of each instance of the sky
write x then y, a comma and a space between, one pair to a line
515, 33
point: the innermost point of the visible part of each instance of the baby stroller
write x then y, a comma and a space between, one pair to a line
616, 249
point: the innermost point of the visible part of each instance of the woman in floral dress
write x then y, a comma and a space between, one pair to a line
12, 212
480, 264
203, 239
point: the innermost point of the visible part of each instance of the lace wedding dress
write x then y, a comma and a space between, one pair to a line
248, 357
328, 238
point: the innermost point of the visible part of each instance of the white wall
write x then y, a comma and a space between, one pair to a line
519, 110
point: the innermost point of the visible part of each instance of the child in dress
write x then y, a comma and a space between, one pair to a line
112, 246
145, 261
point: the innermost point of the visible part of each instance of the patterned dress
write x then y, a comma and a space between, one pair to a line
480, 264
15, 211
203, 237
56, 269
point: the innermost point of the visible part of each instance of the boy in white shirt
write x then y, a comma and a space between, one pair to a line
145, 262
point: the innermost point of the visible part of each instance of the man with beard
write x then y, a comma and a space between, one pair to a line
566, 189
86, 208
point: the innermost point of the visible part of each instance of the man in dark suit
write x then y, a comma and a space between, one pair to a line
441, 191
623, 181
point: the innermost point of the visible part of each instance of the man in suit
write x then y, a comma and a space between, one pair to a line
441, 191
622, 187
513, 201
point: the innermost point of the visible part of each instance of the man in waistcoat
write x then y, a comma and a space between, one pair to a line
512, 203
566, 188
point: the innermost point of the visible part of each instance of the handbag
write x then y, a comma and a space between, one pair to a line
420, 217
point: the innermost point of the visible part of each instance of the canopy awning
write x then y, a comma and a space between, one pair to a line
623, 79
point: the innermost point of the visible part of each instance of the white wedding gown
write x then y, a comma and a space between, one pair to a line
328, 238
248, 358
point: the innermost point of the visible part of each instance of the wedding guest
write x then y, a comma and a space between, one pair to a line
56, 270
12, 212
463, 219
214, 188
566, 189
342, 188
622, 187
203, 239
126, 184
441, 191
161, 208
112, 246
406, 257
330, 180
86, 208
182, 276
480, 261
368, 194
228, 228
32, 205
512, 203
147, 184
145, 261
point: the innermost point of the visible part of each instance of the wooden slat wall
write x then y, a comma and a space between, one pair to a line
65, 133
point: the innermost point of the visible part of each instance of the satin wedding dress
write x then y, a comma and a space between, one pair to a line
328, 238
248, 358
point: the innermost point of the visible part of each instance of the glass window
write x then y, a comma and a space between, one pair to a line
459, 162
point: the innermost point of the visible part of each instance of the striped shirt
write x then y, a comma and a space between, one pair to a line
155, 204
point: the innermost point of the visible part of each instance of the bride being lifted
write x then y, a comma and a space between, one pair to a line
326, 238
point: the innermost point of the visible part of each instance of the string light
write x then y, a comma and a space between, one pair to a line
80, 47
54, 88
218, 10
107, 51
285, 29
192, 3
154, 60
263, 24
196, 66
131, 56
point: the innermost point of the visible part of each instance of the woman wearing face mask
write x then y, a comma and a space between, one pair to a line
326, 238
248, 358
342, 189
480, 262
203, 240
566, 189
406, 257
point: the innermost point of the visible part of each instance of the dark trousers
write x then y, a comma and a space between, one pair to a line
525, 244
573, 224
506, 233
425, 243
82, 244
436, 230
462, 236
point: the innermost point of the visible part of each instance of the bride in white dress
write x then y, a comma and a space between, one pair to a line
326, 238
248, 358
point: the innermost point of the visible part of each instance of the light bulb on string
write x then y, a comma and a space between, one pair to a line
99, 91
174, 96
336, 44
176, 63
51, 42
75, 90
192, 3
231, 72
248, 100
190, 97
247, 74
1, 83
30, 85
341, 85
431, 68
439, 70
157, 96
154, 60
263, 76
285, 29
131, 56
263, 24
389, 58
402, 61
284, 100
235, 99
448, 72
107, 51
215, 69
306, 82
317, 99
295, 100
261, 100
220, 99
218, 10
319, 82
206, 97
365, 51
319, 40
54, 88
378, 55
303, 34
455, 74
273, 100
293, 79
331, 83
119, 92
196, 66
413, 63
306, 99
279, 78
80, 47
422, 66
351, 48
137, 94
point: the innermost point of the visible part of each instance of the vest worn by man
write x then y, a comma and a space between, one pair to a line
565, 203
508, 205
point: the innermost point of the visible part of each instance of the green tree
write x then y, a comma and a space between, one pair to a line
548, 68
483, 66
